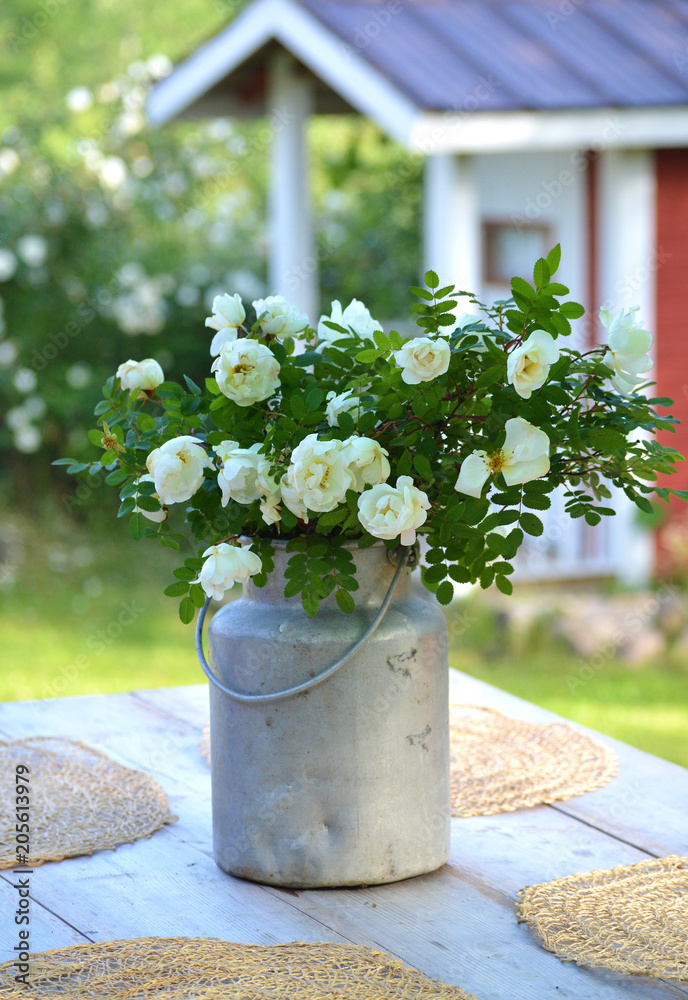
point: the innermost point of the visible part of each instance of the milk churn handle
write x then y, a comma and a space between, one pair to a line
404, 553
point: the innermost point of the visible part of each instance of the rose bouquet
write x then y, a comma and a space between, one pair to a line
323, 435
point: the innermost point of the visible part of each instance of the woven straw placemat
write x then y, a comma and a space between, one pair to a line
632, 919
499, 764
80, 801
208, 969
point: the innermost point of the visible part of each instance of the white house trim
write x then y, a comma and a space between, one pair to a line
326, 55
512, 131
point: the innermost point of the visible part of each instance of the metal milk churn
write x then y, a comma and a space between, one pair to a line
346, 781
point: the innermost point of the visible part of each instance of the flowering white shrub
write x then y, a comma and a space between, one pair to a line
459, 434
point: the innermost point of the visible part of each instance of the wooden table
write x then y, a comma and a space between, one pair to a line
457, 924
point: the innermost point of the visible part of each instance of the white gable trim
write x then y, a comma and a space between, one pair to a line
326, 55
513, 131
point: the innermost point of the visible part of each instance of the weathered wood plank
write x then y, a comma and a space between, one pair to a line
46, 930
187, 703
457, 924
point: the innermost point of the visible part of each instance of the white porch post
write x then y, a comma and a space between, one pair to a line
452, 221
628, 263
293, 262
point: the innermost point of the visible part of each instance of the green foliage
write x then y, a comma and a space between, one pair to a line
427, 428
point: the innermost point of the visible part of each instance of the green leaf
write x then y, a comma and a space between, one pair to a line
293, 587
368, 356
644, 504
187, 610
345, 601
197, 594
431, 279
64, 461
314, 398
421, 293
146, 422
523, 288
434, 574
310, 601
298, 405
541, 273
504, 584
553, 258
195, 389
177, 589
333, 516
561, 324
137, 527
531, 524
536, 501
445, 593
423, 467
572, 310
606, 439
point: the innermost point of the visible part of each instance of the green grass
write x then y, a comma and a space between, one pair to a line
88, 617
645, 706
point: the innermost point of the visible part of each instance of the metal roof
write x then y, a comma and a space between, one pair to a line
501, 55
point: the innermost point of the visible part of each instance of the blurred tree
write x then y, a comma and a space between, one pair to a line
114, 238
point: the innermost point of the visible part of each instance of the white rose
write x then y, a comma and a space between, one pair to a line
345, 402
281, 319
627, 349
423, 359
318, 474
366, 461
177, 468
271, 495
146, 374
528, 366
270, 509
224, 566
246, 371
524, 456
239, 472
387, 511
153, 515
228, 315
355, 317
292, 501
